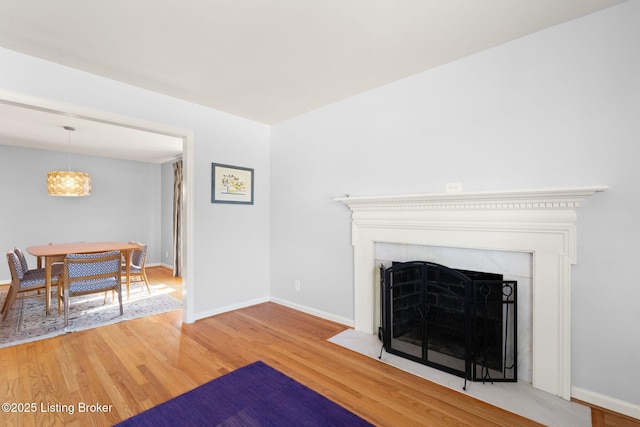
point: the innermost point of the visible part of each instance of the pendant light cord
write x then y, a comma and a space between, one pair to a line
70, 129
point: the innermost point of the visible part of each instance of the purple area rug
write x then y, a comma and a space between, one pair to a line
256, 395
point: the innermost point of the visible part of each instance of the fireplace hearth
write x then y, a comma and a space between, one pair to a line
459, 321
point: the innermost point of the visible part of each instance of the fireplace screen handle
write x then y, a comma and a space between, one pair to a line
423, 314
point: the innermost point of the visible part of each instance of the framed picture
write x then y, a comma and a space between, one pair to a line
231, 184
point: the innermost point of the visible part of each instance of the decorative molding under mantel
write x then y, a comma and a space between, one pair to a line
551, 198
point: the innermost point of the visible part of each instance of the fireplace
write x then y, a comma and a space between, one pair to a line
538, 222
459, 321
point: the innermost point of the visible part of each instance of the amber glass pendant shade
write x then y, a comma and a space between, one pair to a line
68, 183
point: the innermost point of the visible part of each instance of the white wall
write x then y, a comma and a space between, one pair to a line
116, 210
230, 257
557, 108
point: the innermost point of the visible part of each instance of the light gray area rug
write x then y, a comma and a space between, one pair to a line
27, 320
519, 398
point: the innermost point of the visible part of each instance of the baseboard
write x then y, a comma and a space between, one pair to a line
314, 312
231, 307
159, 264
607, 402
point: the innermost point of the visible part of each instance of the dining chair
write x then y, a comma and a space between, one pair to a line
25, 265
25, 280
137, 272
90, 273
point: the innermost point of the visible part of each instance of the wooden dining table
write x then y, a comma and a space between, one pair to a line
53, 253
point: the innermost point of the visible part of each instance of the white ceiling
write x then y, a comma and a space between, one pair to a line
265, 60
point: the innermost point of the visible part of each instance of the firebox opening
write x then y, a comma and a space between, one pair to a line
459, 321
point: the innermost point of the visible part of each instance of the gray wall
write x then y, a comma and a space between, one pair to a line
124, 205
557, 108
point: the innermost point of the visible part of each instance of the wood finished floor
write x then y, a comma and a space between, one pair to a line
135, 365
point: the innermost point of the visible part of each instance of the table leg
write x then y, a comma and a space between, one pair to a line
47, 283
127, 264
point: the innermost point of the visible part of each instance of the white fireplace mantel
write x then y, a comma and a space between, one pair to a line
550, 198
540, 221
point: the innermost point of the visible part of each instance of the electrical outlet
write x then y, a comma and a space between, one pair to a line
454, 187
296, 285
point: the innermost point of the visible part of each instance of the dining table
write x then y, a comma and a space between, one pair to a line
52, 253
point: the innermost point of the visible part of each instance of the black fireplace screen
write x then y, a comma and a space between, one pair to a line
462, 322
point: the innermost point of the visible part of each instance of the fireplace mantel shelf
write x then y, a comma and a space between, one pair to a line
550, 198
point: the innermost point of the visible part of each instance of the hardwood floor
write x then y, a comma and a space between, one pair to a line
164, 275
132, 366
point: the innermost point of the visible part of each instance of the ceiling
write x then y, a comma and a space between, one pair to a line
267, 61
44, 130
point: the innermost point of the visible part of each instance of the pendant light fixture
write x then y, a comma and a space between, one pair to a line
68, 183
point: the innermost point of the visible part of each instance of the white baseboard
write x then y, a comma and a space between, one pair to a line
314, 312
159, 264
231, 307
295, 306
611, 403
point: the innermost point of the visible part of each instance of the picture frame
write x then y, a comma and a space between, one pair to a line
231, 184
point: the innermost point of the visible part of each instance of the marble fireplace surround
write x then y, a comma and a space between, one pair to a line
541, 222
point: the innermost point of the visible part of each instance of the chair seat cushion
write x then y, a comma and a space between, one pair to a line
36, 276
132, 269
32, 278
93, 285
